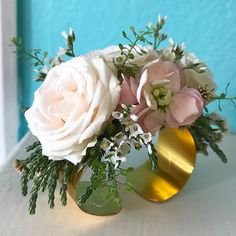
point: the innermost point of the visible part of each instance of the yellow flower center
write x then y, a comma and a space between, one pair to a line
159, 96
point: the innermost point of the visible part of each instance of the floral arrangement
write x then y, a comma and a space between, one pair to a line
90, 110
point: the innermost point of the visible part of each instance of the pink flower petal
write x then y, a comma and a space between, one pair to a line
133, 85
154, 121
186, 107
126, 94
163, 70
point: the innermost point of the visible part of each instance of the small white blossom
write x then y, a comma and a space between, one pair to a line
106, 144
135, 130
120, 137
183, 46
115, 159
127, 121
160, 18
117, 115
71, 32
124, 148
147, 137
64, 35
171, 41
149, 147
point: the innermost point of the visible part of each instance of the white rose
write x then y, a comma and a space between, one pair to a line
194, 79
71, 107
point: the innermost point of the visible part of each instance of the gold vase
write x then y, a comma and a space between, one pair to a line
176, 160
176, 154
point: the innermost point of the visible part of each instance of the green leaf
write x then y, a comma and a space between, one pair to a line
119, 60
131, 56
117, 200
123, 172
124, 34
132, 28
121, 46
130, 169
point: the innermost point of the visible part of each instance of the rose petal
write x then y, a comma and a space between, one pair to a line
163, 70
154, 121
126, 94
186, 107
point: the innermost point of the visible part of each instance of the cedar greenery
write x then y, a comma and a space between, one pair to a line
44, 174
208, 132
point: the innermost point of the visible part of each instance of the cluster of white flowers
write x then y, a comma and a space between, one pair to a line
116, 149
119, 146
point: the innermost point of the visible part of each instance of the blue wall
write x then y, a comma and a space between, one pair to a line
207, 27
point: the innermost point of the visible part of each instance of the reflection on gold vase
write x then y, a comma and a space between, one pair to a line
176, 159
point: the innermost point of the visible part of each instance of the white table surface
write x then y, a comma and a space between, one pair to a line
206, 206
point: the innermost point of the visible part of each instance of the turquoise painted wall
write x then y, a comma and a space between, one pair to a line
207, 27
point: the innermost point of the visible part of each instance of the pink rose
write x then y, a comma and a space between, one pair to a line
160, 98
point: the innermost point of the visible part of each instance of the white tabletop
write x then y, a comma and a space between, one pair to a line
206, 206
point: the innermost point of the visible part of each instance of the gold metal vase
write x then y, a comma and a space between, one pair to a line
176, 160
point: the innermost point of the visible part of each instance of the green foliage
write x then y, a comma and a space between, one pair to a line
69, 40
157, 34
68, 171
207, 132
33, 54
178, 51
40, 60
198, 67
223, 96
124, 63
44, 174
